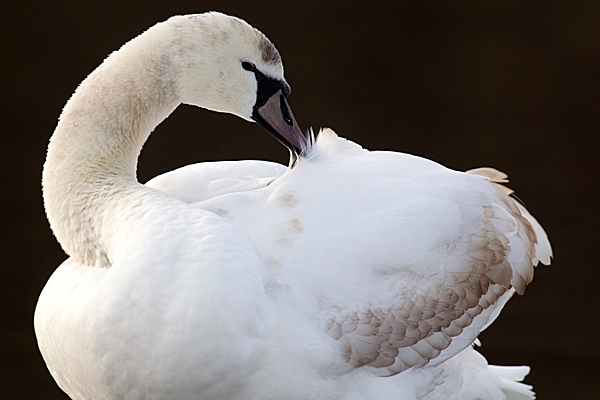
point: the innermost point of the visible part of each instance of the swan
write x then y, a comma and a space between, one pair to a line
349, 274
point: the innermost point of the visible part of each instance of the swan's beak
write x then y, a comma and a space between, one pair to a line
277, 118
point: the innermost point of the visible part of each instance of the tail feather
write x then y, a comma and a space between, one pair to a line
469, 377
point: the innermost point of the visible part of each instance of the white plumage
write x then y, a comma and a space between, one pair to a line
352, 275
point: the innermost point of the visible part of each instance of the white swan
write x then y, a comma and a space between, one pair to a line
353, 275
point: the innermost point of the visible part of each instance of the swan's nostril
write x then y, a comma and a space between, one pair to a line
285, 111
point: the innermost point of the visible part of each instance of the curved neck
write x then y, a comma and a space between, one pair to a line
92, 156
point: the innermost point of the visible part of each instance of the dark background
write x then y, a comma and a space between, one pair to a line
511, 84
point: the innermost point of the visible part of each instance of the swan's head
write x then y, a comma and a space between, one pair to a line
224, 64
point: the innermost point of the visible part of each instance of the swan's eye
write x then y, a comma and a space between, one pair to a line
248, 66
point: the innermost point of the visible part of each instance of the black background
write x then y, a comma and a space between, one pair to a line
511, 84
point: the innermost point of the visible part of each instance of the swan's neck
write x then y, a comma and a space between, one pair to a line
92, 156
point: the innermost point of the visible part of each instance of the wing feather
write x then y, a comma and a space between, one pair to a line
435, 314
197, 182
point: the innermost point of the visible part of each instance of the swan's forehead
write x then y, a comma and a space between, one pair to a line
257, 47
234, 36
253, 38
269, 53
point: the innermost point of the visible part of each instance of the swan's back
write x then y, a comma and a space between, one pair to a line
203, 181
402, 261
